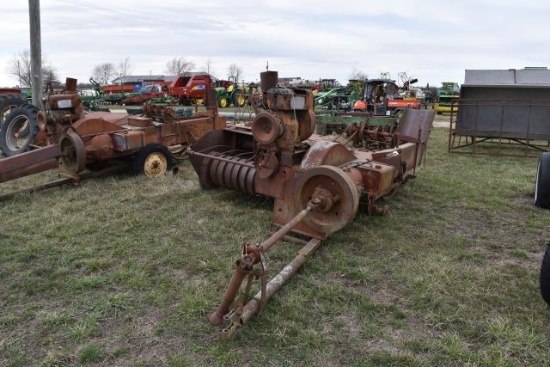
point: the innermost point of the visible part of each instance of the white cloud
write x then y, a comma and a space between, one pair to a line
431, 40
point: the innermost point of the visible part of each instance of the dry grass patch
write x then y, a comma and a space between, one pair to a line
123, 271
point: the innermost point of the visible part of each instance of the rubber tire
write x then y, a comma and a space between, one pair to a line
141, 157
545, 276
239, 95
223, 102
9, 102
542, 183
28, 112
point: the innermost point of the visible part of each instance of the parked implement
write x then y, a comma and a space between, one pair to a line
317, 184
190, 89
382, 97
228, 93
447, 97
155, 93
65, 137
9, 99
337, 99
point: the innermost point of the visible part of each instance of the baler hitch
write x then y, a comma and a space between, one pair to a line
250, 265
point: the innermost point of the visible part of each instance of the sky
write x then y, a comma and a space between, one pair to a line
431, 40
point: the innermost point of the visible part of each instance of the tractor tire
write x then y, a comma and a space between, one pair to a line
542, 185
545, 276
222, 102
7, 103
239, 100
19, 130
153, 160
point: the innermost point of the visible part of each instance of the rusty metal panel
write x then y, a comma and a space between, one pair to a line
128, 141
140, 121
93, 126
29, 163
416, 125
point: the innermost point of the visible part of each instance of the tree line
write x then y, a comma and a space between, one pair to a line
104, 73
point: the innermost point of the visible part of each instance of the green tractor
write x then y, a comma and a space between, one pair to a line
10, 98
447, 97
229, 93
339, 98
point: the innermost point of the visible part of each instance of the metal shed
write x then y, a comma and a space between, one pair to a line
503, 106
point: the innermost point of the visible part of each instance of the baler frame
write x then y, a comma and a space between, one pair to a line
318, 185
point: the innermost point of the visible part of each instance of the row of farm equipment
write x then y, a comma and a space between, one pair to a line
385, 97
318, 182
377, 96
64, 136
321, 170
186, 89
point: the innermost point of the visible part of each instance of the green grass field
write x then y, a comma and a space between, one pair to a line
124, 271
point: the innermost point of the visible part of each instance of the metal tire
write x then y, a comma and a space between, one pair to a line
73, 158
338, 183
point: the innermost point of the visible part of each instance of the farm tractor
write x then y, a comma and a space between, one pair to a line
229, 93
447, 97
66, 137
382, 97
339, 98
9, 99
317, 184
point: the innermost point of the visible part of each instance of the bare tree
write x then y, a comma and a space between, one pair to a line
178, 66
357, 75
49, 78
104, 72
124, 67
21, 69
235, 72
207, 68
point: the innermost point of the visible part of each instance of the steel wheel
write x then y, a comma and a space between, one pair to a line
73, 158
343, 194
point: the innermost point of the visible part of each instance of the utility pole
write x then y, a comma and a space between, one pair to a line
36, 53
